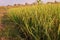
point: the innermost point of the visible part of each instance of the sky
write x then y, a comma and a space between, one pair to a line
45, 1
11, 2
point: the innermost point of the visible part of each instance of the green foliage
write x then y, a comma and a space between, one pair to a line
37, 22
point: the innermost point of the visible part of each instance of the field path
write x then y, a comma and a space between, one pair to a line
2, 12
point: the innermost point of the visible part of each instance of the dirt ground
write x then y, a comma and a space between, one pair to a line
2, 12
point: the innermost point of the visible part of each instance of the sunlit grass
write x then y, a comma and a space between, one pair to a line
36, 22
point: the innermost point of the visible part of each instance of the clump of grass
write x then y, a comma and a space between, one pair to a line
37, 22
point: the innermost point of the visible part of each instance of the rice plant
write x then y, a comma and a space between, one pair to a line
36, 22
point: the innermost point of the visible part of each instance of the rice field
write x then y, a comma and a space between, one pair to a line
36, 22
